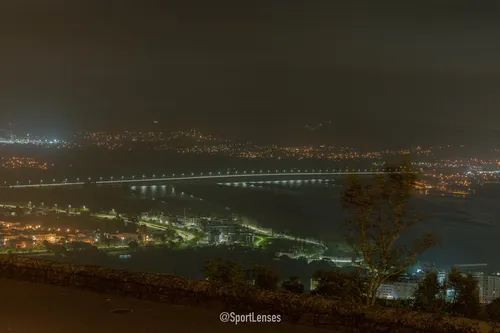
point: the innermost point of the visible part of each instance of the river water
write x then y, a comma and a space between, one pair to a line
468, 228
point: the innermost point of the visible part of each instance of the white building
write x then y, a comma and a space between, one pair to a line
488, 287
441, 275
397, 290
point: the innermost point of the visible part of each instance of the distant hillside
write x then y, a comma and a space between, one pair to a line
373, 134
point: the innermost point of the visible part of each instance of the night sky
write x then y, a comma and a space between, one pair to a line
257, 68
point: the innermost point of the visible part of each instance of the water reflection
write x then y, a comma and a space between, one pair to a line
318, 183
153, 191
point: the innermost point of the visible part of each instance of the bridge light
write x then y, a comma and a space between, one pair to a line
173, 175
192, 174
100, 178
163, 175
154, 176
123, 177
41, 181
53, 180
201, 174
29, 181
133, 177
210, 173
245, 171
143, 176
253, 171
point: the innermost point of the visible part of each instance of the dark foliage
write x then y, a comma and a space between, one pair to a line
465, 299
265, 278
493, 310
293, 285
224, 272
429, 295
335, 284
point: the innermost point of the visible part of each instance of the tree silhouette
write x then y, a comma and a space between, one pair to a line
335, 284
224, 272
429, 295
47, 245
19, 211
58, 250
265, 278
106, 241
163, 239
493, 310
133, 245
465, 294
293, 285
379, 215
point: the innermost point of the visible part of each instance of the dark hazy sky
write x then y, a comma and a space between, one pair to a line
251, 66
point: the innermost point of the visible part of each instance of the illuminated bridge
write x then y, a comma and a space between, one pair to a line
217, 176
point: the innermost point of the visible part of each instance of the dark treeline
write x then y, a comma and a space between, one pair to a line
351, 287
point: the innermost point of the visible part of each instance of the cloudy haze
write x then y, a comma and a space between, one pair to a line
252, 66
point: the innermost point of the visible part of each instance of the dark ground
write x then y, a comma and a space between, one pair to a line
37, 308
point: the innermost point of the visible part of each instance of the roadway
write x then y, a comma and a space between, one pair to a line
30, 308
270, 233
201, 176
